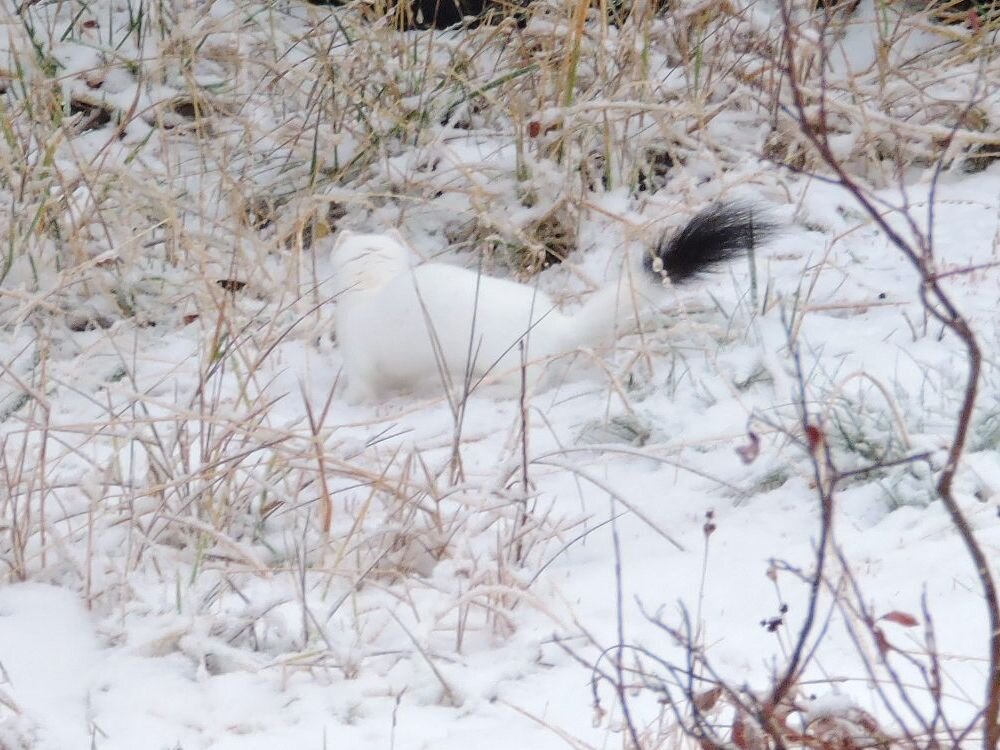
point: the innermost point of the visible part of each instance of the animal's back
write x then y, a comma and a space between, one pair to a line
437, 314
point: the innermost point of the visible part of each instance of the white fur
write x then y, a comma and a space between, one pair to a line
400, 326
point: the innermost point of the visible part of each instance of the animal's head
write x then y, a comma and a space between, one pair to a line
366, 262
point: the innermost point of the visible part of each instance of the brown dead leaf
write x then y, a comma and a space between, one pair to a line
901, 618
231, 285
814, 437
881, 642
706, 700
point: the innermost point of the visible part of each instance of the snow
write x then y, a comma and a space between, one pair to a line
170, 444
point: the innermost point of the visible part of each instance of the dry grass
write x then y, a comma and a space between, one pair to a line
172, 176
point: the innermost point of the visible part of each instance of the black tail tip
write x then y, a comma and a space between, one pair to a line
715, 235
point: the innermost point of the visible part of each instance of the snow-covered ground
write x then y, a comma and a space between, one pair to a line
174, 442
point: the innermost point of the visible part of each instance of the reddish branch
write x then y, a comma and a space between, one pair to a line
938, 303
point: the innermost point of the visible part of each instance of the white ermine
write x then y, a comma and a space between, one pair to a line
401, 326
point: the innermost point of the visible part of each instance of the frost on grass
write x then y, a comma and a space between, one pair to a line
175, 452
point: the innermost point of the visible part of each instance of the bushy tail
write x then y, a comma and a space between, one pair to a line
716, 235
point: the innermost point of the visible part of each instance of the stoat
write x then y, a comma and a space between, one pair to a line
399, 326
